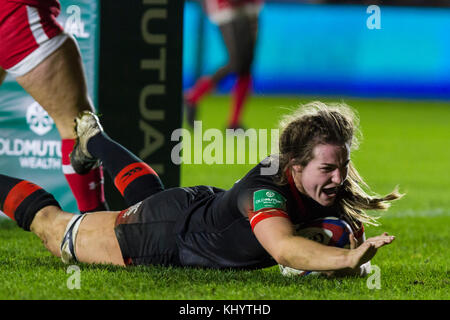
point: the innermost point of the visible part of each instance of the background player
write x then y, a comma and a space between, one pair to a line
248, 226
238, 24
46, 62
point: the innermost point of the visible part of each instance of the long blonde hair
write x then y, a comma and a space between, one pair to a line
334, 123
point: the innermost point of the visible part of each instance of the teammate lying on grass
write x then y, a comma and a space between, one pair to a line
248, 226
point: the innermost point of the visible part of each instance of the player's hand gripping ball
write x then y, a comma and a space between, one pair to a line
330, 231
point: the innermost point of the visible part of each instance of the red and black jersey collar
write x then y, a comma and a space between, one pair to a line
300, 205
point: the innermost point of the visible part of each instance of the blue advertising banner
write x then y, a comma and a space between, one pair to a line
351, 50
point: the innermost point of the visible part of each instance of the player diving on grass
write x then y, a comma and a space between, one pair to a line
252, 225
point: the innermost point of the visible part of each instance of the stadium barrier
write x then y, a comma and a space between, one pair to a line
333, 50
140, 87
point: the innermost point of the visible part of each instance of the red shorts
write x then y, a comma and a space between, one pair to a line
29, 33
224, 11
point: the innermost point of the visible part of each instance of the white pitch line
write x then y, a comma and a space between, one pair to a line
436, 212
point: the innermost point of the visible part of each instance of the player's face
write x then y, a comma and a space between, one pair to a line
322, 177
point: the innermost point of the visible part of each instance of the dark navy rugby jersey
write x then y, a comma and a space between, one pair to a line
216, 228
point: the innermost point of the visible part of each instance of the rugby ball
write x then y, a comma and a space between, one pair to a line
330, 231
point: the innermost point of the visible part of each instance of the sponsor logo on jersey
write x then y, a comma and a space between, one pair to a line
268, 199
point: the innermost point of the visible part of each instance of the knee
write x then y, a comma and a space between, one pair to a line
242, 65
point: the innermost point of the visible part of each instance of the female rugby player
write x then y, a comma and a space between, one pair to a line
238, 24
248, 226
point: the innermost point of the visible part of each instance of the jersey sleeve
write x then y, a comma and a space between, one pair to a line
264, 204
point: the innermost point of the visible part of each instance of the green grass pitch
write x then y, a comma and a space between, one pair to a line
405, 143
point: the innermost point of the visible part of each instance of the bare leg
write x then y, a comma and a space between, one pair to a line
49, 225
228, 36
96, 241
59, 86
239, 37
242, 33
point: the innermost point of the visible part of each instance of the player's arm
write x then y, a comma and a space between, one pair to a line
276, 235
361, 270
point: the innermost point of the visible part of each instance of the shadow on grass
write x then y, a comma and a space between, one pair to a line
7, 224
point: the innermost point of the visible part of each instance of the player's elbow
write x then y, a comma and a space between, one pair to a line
281, 259
283, 254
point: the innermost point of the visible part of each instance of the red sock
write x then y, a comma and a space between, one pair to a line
201, 87
240, 92
88, 188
